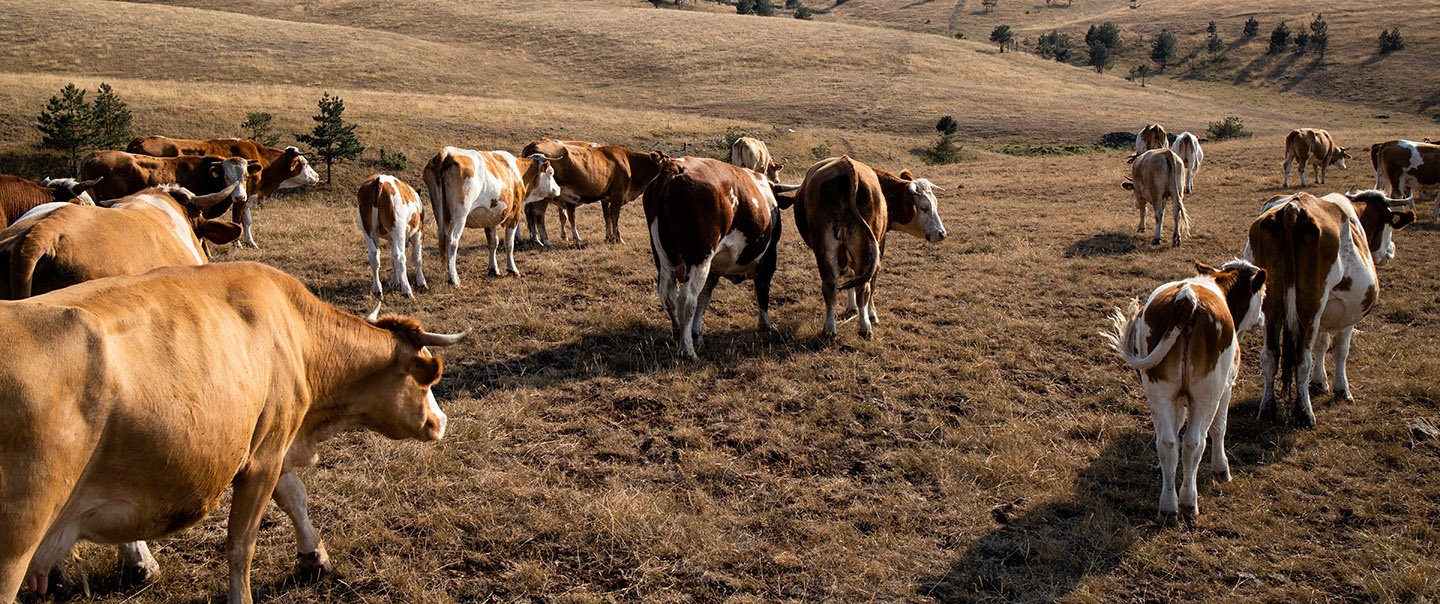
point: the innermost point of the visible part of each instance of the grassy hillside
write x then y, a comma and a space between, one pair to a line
984, 447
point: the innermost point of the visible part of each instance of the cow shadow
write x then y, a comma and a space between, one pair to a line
114, 583
1110, 243
1042, 553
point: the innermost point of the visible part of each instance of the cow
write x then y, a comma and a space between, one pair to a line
1150, 137
279, 168
390, 210
610, 174
1405, 168
57, 245
1155, 175
1321, 254
1313, 147
18, 195
752, 153
484, 190
707, 220
1187, 146
229, 374
126, 173
844, 209
535, 212
1185, 345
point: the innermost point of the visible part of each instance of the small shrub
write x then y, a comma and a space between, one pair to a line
804, 13
947, 125
732, 134
259, 127
1003, 36
393, 161
1107, 33
1252, 27
989, 4
1139, 73
1319, 35
1213, 44
944, 151
1302, 41
1230, 127
820, 151
1391, 41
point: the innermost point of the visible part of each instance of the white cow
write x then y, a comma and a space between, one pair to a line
1187, 146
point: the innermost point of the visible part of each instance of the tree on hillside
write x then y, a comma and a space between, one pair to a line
1054, 45
332, 139
1139, 73
947, 125
1107, 33
258, 126
1391, 41
1100, 57
804, 13
764, 8
1320, 35
989, 4
65, 125
1252, 27
1162, 51
1279, 38
1003, 36
1213, 44
111, 117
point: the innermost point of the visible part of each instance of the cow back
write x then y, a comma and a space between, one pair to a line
694, 202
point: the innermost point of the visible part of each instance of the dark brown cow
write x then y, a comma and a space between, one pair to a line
1313, 147
611, 175
535, 212
709, 219
127, 173
844, 210
18, 195
1406, 168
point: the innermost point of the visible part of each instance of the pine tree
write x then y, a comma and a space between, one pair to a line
1139, 72
1002, 36
111, 119
1320, 35
1100, 57
1252, 27
1162, 52
259, 127
1213, 44
1279, 38
332, 139
66, 125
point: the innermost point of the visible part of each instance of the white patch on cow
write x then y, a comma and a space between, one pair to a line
727, 255
43, 209
1415, 159
437, 412
179, 226
307, 176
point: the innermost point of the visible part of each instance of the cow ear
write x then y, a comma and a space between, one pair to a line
906, 175
1400, 220
1258, 281
657, 156
253, 168
1127, 185
1203, 269
425, 370
219, 232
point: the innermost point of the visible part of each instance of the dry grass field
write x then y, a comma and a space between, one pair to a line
985, 446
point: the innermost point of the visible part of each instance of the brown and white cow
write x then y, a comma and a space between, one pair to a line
279, 168
1187, 147
844, 209
1157, 175
226, 375
62, 244
752, 153
1150, 137
18, 195
126, 173
709, 219
535, 212
390, 210
484, 190
1313, 147
1321, 255
1185, 344
1406, 168
609, 174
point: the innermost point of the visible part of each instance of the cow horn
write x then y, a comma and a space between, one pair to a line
442, 339
204, 202
936, 187
779, 188
85, 185
1406, 201
106, 203
541, 157
374, 314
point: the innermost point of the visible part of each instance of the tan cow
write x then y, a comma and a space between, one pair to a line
844, 210
1185, 344
18, 195
484, 190
1321, 255
125, 173
1313, 147
1406, 168
1150, 137
58, 245
611, 175
390, 210
1157, 175
226, 375
752, 153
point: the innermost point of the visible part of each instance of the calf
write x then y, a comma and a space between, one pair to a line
1187, 146
752, 153
390, 210
709, 219
1157, 175
484, 189
18, 196
844, 210
1313, 147
1150, 137
1321, 255
1185, 345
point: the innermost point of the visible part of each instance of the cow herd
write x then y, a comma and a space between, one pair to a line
1317, 258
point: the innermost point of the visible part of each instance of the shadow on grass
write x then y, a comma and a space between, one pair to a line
1042, 554
1112, 243
114, 583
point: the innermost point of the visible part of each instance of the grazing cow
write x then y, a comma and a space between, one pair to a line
1187, 146
1405, 168
125, 173
1313, 147
57, 245
1185, 344
611, 175
1150, 137
279, 168
391, 210
484, 190
115, 446
709, 219
1321, 255
18, 195
1155, 175
752, 153
844, 209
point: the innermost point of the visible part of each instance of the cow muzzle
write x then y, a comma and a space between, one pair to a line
435, 420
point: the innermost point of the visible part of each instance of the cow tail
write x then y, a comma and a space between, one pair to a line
1290, 144
866, 259
1290, 339
1177, 181
1123, 335
435, 188
24, 260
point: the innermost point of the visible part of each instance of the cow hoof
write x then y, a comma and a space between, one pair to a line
1343, 395
1222, 476
313, 566
422, 288
514, 271
867, 334
494, 272
1304, 419
1166, 519
1155, 241
138, 573
1267, 409
408, 294
1188, 517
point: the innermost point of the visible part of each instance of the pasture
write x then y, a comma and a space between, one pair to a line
985, 446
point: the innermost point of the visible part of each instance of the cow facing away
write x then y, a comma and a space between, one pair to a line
484, 190
1152, 136
61, 244
609, 174
709, 219
1185, 344
125, 173
390, 210
752, 153
18, 195
1313, 147
844, 209
1406, 168
1187, 146
1320, 254
1157, 175
257, 372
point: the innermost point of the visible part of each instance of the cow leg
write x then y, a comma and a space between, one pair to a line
612, 217
874, 317
249, 235
1140, 228
687, 304
398, 271
1304, 412
696, 329
1342, 352
535, 222
247, 506
568, 211
492, 243
136, 564
312, 561
1176, 207
1269, 363
1219, 465
1288, 158
1317, 381
764, 273
373, 253
1205, 401
1159, 220
827, 292
862, 299
452, 247
513, 233
417, 256
1165, 415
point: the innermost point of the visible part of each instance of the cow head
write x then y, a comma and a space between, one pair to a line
772, 172
397, 400
1244, 287
545, 186
299, 167
231, 171
1380, 221
1338, 156
66, 189
926, 222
